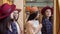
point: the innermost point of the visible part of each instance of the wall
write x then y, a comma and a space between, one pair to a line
1, 2
7, 1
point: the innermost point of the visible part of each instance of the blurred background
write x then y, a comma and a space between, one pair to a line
40, 3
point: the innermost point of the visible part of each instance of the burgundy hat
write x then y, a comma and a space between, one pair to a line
6, 10
45, 8
19, 10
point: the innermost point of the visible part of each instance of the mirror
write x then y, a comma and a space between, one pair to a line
37, 6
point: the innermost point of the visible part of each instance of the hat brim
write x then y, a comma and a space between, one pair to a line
13, 7
45, 8
19, 10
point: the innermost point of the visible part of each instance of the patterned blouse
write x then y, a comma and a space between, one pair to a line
47, 26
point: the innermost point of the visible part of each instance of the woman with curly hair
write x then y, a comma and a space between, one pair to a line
47, 25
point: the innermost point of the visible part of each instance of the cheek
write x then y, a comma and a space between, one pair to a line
11, 16
16, 15
38, 15
48, 14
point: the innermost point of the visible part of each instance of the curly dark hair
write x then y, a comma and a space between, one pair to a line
45, 8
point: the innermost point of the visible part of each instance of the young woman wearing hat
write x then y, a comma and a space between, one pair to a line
32, 25
47, 26
14, 18
6, 25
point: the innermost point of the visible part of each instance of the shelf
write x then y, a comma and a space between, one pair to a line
38, 2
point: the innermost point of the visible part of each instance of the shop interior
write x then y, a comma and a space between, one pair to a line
40, 4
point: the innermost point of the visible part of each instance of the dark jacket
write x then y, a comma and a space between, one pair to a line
47, 26
14, 29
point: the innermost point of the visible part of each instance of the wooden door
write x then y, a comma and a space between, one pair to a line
57, 18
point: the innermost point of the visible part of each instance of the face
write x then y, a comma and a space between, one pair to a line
37, 17
48, 12
14, 15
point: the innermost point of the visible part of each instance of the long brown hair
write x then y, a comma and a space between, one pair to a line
4, 24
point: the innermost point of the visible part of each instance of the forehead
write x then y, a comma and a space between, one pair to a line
15, 11
48, 10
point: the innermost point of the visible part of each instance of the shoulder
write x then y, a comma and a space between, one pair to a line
14, 25
29, 23
44, 19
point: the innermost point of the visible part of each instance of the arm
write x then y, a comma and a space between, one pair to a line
30, 28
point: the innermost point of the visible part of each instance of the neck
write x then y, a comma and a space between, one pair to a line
14, 21
47, 17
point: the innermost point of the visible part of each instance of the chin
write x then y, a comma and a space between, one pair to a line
16, 19
49, 16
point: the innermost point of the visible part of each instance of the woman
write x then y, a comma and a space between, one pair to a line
47, 26
32, 25
14, 18
6, 25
